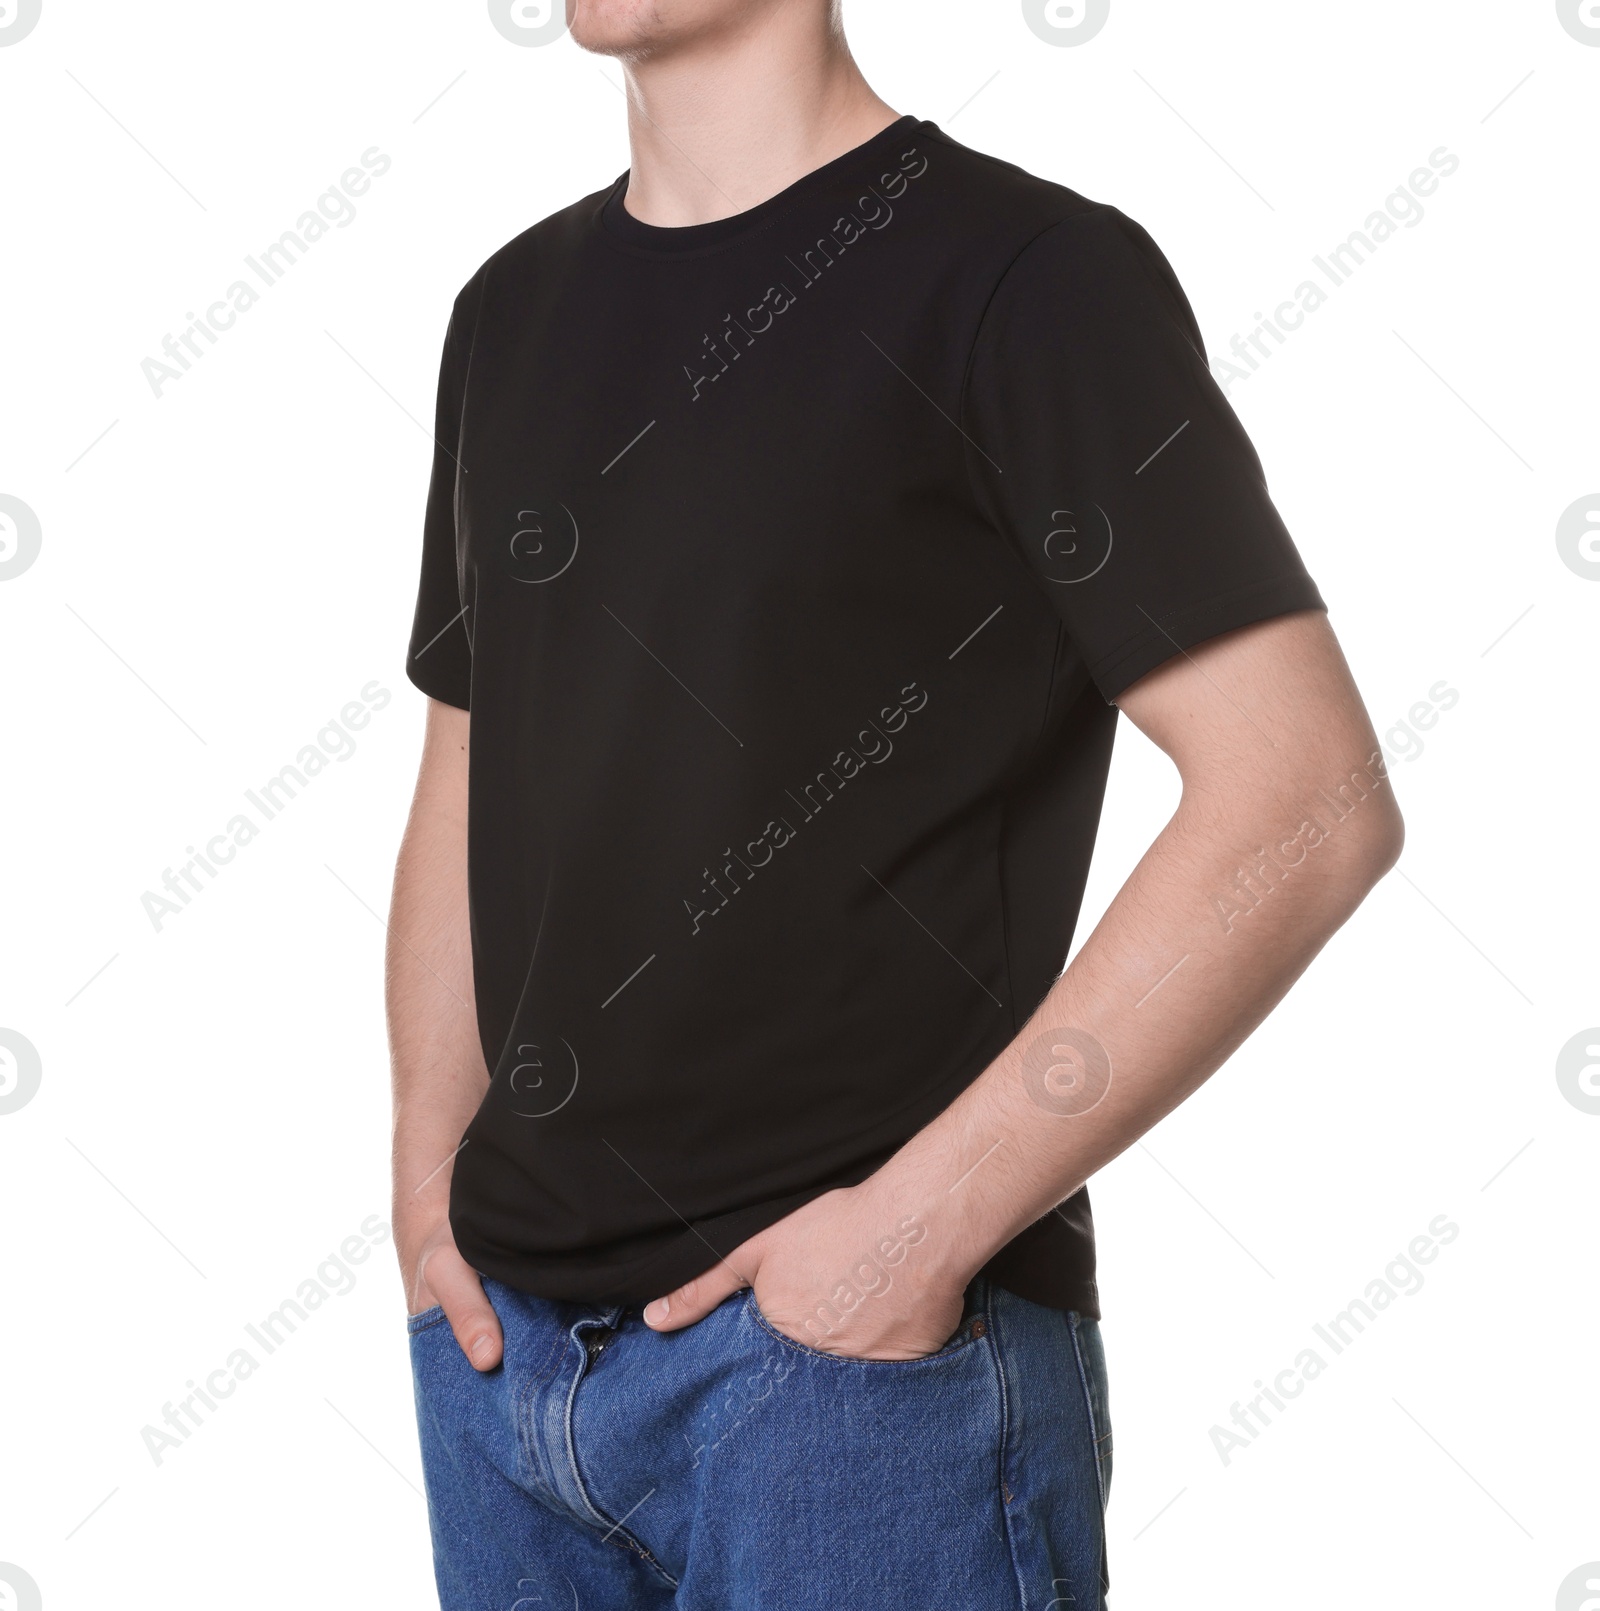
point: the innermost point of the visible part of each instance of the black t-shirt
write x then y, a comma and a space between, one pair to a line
788, 565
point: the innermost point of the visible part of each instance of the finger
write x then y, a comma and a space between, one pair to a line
472, 1319
695, 1299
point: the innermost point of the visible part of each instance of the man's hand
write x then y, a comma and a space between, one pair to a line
848, 1274
436, 1273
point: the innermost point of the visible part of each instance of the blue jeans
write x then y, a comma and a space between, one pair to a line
609, 1467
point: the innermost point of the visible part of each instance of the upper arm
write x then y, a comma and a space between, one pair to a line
439, 657
1266, 718
1111, 459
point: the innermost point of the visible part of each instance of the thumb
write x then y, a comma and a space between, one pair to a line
695, 1299
459, 1289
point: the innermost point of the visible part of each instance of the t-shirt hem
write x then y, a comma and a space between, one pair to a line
664, 1268
1197, 623
684, 1259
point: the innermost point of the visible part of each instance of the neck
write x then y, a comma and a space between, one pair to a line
722, 121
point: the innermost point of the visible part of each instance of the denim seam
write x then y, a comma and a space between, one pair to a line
614, 1529
527, 1440
998, 1354
1088, 1405
523, 1412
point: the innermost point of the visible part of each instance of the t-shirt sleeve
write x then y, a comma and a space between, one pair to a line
439, 659
1103, 448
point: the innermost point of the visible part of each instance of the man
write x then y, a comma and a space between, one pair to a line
802, 503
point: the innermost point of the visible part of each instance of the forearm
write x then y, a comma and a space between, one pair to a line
1165, 991
1183, 966
437, 1069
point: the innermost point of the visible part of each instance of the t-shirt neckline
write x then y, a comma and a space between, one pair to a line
619, 226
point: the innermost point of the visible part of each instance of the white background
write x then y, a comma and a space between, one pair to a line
226, 566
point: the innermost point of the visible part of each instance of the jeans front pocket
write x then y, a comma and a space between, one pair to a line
424, 1318
972, 1328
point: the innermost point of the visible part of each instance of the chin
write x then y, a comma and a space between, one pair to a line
617, 27
647, 27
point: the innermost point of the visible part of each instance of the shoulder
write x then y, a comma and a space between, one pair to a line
1000, 196
540, 247
1068, 258
1045, 222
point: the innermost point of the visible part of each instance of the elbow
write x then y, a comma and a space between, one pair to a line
1348, 842
1384, 840
1374, 843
